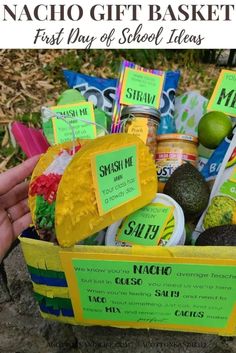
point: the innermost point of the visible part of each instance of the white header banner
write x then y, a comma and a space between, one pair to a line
117, 24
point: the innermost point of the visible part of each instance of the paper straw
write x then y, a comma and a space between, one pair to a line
117, 106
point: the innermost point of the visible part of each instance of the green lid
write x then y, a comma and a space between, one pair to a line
70, 96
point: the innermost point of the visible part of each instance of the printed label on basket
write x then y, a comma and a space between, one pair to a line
224, 94
140, 291
139, 127
142, 88
82, 129
116, 178
145, 226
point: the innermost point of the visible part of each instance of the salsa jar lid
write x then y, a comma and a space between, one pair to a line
141, 109
182, 137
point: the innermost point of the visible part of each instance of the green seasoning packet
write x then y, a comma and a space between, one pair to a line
222, 207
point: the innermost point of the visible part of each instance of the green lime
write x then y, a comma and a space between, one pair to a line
70, 96
213, 128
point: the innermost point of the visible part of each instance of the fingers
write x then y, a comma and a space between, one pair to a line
6, 234
17, 194
10, 231
14, 176
21, 224
18, 210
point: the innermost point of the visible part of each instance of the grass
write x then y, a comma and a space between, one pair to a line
32, 78
106, 64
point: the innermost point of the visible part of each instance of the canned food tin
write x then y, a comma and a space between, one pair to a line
172, 151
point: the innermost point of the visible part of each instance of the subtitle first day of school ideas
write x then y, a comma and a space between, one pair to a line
136, 19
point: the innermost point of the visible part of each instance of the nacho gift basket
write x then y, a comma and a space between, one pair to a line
77, 280
51, 290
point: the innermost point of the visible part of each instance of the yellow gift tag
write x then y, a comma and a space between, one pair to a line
139, 127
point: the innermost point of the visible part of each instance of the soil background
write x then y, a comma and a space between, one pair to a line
22, 330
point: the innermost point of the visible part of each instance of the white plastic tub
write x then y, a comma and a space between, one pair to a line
178, 236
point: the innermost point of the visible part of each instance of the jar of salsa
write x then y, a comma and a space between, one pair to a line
142, 121
172, 151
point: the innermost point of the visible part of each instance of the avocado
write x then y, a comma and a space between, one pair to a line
219, 236
70, 96
188, 187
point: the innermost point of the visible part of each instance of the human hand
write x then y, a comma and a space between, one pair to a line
14, 210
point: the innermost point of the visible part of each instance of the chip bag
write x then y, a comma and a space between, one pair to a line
100, 91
